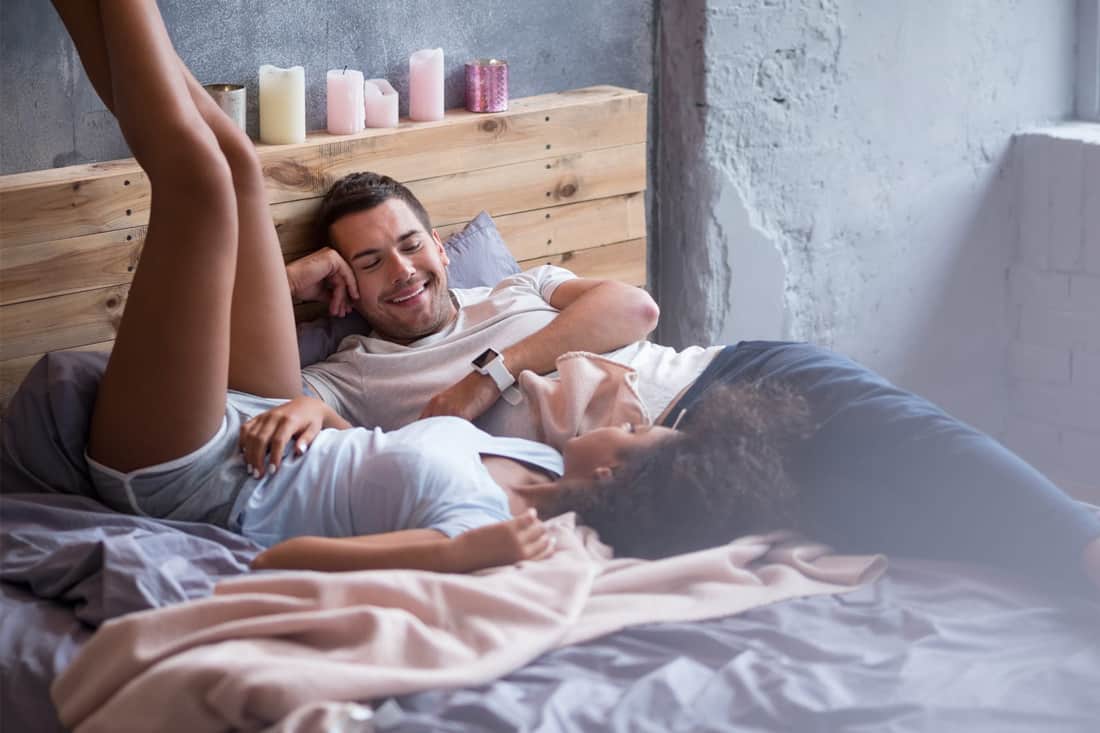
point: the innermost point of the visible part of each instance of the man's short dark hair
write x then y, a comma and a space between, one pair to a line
359, 192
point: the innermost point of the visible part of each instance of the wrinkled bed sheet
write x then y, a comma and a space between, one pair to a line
930, 647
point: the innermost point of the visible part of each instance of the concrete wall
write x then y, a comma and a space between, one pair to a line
1054, 288
50, 116
837, 171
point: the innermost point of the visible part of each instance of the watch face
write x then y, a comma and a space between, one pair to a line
484, 358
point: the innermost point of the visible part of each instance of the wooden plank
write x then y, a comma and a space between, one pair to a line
534, 185
81, 200
47, 269
78, 319
560, 229
511, 189
64, 322
13, 371
625, 261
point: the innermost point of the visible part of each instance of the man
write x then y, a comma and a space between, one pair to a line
885, 470
386, 262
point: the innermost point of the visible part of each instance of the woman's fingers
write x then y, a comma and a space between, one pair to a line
280, 438
255, 449
305, 439
534, 538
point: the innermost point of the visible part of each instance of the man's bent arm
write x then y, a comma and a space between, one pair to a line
596, 315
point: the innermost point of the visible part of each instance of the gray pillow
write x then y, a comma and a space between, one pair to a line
45, 428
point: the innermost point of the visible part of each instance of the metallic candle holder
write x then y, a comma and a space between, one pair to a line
231, 98
487, 85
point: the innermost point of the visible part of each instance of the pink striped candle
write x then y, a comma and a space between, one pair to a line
487, 85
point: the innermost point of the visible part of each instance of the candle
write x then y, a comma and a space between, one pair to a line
487, 85
380, 99
345, 101
231, 99
282, 104
426, 85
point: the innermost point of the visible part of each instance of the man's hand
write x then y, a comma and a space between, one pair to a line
268, 434
323, 276
468, 398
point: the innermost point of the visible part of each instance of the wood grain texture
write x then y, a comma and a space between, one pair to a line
562, 174
91, 199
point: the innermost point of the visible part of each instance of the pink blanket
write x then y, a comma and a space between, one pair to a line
276, 647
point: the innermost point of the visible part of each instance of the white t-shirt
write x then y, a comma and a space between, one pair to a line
377, 383
428, 475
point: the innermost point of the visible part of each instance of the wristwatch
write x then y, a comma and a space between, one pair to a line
491, 363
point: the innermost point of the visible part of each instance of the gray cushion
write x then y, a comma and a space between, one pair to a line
45, 428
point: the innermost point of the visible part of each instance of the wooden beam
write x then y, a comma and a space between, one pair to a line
48, 269
625, 261
91, 199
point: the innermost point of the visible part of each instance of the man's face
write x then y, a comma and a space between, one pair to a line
400, 269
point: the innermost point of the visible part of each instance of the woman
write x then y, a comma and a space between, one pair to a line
441, 471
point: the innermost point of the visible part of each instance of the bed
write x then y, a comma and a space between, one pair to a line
928, 647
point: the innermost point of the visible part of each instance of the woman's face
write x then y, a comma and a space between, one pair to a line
599, 452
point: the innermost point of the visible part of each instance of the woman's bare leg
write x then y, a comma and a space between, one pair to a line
163, 394
263, 352
263, 349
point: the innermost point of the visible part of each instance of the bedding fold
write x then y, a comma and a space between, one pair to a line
268, 645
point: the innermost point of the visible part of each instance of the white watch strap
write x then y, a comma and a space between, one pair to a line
500, 373
504, 381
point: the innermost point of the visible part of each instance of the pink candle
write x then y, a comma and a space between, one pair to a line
381, 103
345, 101
426, 85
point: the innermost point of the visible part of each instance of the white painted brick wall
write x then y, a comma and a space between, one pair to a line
1054, 290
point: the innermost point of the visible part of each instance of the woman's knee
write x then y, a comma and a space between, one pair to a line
190, 159
244, 164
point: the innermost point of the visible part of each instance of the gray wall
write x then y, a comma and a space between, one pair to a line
52, 117
840, 171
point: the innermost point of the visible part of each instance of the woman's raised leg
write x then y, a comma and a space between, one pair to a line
263, 348
163, 394
263, 353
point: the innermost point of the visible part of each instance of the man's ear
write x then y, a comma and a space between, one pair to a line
442, 250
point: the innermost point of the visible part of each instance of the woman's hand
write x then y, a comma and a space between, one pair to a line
521, 538
268, 434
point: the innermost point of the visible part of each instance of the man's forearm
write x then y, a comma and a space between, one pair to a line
607, 317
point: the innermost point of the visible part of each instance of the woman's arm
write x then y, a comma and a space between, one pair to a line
521, 538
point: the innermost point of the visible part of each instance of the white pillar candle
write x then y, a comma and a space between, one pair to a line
282, 105
344, 101
380, 99
426, 85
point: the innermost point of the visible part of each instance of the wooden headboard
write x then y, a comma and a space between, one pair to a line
563, 174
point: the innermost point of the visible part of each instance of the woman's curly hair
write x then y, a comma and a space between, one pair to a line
358, 192
723, 476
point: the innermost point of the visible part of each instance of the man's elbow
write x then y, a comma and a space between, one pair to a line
645, 310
